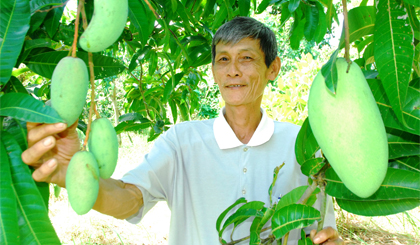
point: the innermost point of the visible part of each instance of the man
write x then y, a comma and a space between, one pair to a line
201, 167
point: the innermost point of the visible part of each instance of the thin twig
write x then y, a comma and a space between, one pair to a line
76, 30
322, 199
245, 238
346, 35
54, 7
151, 8
141, 89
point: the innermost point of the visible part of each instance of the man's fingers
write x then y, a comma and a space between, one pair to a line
325, 235
33, 154
42, 173
36, 132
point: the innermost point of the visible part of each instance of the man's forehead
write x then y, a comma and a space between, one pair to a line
245, 44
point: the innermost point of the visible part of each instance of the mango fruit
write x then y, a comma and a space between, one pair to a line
107, 24
82, 181
69, 87
349, 129
103, 143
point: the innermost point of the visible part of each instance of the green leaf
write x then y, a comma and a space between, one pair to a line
244, 6
306, 145
411, 109
174, 110
209, 8
26, 108
402, 144
411, 163
18, 129
220, 16
292, 217
294, 195
34, 223
14, 86
297, 31
293, 5
415, 24
361, 23
39, 4
257, 225
398, 184
273, 183
329, 71
138, 56
9, 229
312, 166
331, 12
246, 211
171, 85
153, 62
378, 208
368, 40
52, 20
263, 5
413, 2
394, 52
135, 117
131, 126
321, 29
44, 64
14, 25
312, 20
222, 215
142, 18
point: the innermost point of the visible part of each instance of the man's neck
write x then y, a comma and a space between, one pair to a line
243, 120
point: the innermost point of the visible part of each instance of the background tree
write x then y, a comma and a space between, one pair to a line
158, 65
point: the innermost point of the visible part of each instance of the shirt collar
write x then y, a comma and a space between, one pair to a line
226, 138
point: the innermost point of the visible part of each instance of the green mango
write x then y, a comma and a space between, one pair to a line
103, 143
69, 87
349, 129
82, 182
107, 24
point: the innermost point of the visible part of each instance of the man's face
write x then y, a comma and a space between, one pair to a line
241, 73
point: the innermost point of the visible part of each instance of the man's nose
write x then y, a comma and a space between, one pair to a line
234, 69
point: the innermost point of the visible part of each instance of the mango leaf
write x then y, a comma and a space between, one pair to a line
9, 229
402, 144
174, 110
43, 64
331, 12
258, 223
243, 213
153, 61
413, 2
329, 71
412, 16
292, 217
263, 6
26, 108
398, 184
312, 166
142, 18
378, 208
394, 52
411, 163
368, 40
293, 5
368, 54
131, 126
294, 195
244, 7
52, 20
34, 223
222, 215
18, 129
297, 30
411, 109
361, 23
14, 24
312, 20
219, 18
39, 4
306, 145
171, 85
321, 29
14, 86
135, 117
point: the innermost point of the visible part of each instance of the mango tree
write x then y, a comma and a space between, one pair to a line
165, 46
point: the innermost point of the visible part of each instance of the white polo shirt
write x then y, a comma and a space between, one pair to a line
200, 168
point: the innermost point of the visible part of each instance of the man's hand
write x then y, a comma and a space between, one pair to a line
327, 236
50, 148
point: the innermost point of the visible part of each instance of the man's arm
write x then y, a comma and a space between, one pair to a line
50, 148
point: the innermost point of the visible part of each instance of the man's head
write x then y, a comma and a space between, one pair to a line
245, 27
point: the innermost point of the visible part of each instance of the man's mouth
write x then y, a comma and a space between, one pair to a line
235, 86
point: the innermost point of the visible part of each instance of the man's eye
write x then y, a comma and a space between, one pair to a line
248, 58
223, 59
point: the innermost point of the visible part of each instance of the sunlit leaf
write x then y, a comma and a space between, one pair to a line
26, 108
306, 145
329, 71
244, 7
142, 18
224, 213
52, 20
402, 144
294, 195
292, 217
14, 86
394, 52
312, 166
14, 23
9, 229
312, 20
34, 223
378, 208
293, 5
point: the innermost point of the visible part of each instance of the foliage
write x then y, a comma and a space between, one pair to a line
160, 60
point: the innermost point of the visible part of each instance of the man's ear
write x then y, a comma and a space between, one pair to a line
274, 69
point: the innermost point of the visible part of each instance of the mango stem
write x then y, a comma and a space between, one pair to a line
76, 28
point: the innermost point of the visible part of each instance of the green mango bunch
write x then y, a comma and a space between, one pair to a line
349, 129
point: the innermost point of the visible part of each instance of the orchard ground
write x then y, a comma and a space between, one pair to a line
96, 228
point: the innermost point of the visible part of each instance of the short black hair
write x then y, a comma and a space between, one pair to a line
246, 27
